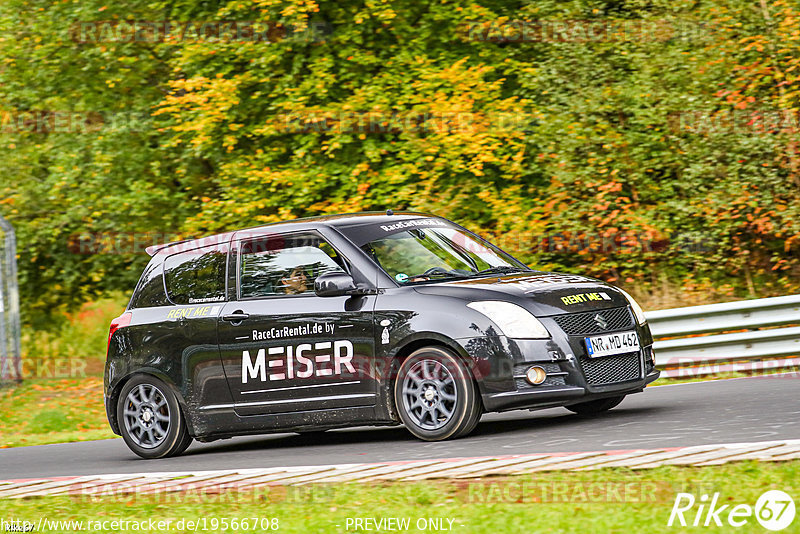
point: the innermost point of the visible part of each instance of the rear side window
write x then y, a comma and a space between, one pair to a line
196, 275
150, 291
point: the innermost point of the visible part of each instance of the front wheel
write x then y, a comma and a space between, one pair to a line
435, 395
595, 406
150, 419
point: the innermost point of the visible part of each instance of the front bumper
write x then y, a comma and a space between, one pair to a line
572, 377
552, 396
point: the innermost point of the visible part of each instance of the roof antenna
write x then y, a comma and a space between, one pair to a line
389, 212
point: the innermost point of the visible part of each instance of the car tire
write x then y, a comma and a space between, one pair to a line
435, 395
150, 419
595, 406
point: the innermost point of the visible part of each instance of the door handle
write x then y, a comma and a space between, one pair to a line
236, 317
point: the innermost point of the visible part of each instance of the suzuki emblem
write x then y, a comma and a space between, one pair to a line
601, 321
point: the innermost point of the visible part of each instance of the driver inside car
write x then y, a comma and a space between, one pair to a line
295, 282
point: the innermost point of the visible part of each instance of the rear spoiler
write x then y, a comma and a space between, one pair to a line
153, 249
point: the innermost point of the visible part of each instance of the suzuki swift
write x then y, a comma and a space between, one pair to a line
363, 319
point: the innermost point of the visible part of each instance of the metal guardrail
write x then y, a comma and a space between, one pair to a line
749, 335
10, 364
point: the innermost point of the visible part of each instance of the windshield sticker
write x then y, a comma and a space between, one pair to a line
415, 223
401, 277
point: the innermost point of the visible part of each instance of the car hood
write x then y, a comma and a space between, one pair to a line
542, 293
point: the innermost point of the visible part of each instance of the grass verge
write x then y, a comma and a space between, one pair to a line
61, 397
42, 411
603, 501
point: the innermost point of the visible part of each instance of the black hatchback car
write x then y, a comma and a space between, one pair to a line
364, 319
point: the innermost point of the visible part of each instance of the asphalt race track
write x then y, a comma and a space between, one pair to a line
728, 411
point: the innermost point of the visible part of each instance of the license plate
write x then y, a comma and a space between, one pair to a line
610, 344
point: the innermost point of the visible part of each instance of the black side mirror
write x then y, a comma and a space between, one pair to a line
334, 285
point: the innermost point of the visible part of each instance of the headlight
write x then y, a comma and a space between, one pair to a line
514, 321
637, 310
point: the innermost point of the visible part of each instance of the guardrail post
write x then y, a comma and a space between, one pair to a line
10, 354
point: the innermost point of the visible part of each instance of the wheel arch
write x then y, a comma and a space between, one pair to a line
155, 373
420, 340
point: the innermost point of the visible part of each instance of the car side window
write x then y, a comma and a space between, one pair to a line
151, 288
196, 275
285, 265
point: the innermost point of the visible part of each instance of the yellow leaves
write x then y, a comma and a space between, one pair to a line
359, 169
611, 187
200, 105
229, 142
554, 200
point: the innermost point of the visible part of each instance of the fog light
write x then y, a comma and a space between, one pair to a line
536, 375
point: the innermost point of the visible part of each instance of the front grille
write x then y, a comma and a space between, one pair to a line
521, 383
611, 369
587, 322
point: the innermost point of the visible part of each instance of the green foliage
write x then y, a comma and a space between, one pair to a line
78, 339
575, 154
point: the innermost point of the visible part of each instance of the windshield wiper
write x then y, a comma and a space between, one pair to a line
438, 272
500, 269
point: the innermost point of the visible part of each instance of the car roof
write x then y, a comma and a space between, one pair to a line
344, 220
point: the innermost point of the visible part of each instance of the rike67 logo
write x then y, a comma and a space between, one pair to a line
774, 510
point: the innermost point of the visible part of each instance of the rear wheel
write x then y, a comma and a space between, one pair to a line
596, 406
435, 395
150, 419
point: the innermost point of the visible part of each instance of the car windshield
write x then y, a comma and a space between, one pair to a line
425, 254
